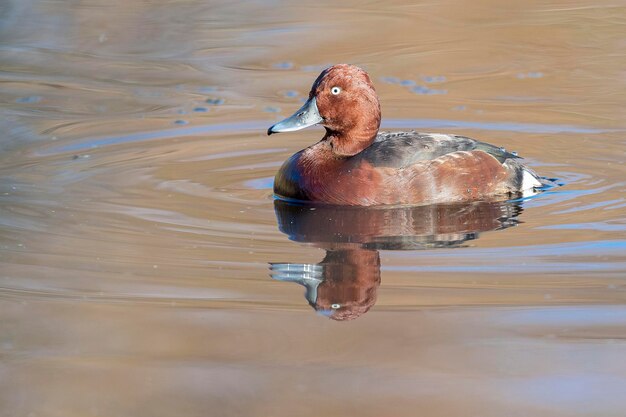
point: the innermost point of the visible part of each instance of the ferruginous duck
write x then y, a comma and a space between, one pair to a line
356, 165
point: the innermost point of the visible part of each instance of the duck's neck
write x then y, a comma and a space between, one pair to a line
351, 142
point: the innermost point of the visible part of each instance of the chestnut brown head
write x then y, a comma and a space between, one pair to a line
344, 101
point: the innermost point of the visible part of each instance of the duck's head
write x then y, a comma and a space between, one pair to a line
344, 101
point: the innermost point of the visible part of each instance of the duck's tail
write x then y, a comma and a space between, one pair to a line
525, 180
530, 180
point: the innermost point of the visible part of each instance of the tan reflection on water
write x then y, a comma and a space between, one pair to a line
136, 219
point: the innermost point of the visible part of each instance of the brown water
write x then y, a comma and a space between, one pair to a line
139, 238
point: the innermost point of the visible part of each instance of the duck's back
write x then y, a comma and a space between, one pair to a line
402, 149
441, 167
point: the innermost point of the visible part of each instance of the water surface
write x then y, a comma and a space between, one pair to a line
146, 270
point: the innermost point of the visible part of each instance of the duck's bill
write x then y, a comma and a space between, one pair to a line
306, 116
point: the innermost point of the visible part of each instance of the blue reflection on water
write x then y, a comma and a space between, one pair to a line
266, 183
261, 125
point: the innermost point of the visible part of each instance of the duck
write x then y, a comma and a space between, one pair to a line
354, 164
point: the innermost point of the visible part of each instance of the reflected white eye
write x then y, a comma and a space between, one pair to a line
335, 90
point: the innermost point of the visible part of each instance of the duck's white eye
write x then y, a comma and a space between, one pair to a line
335, 306
335, 90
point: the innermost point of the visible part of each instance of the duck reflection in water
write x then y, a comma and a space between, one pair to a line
343, 285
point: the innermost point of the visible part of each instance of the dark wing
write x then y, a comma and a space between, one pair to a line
401, 149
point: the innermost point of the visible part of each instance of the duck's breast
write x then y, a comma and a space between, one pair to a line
287, 182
